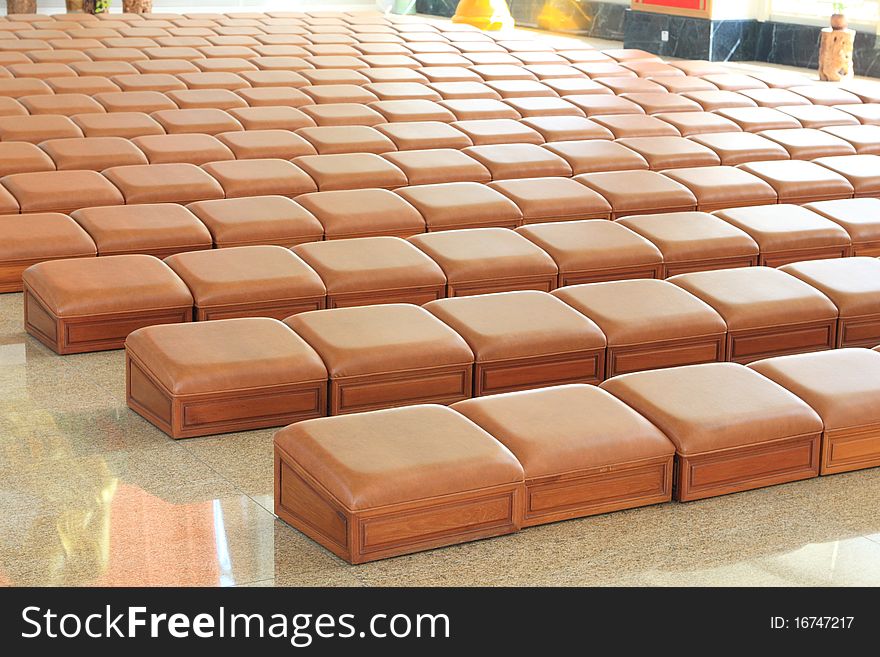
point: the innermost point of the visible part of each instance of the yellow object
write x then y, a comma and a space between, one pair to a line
484, 14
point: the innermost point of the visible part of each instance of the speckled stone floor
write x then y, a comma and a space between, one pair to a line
91, 494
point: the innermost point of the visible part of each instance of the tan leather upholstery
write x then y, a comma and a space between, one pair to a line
79, 286
636, 125
225, 355
862, 172
271, 96
671, 152
506, 161
740, 147
204, 121
553, 199
713, 407
163, 183
809, 143
593, 155
59, 191
349, 139
271, 118
263, 177
796, 181
419, 135
470, 109
851, 283
448, 206
60, 104
184, 148
723, 187
342, 114
43, 236
257, 220
860, 217
498, 131
351, 171
390, 338
864, 138
697, 123
362, 212
406, 454
260, 144
438, 165
566, 128
117, 124
818, 116
23, 157
638, 192
93, 153
339, 93
35, 129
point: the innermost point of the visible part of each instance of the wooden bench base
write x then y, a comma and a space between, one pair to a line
466, 289
866, 249
666, 353
853, 448
539, 371
787, 257
676, 268
361, 536
613, 274
439, 385
10, 272
858, 331
275, 309
750, 345
187, 416
74, 335
600, 490
746, 468
415, 295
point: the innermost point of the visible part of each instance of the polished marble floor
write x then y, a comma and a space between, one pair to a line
91, 494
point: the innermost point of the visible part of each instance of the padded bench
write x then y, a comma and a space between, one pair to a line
733, 429
163, 183
248, 281
448, 206
797, 181
553, 199
453, 482
768, 312
860, 217
58, 191
27, 240
399, 355
485, 260
649, 324
694, 241
363, 213
722, 187
583, 451
596, 250
842, 387
639, 192
853, 285
257, 220
92, 304
374, 270
524, 340
229, 375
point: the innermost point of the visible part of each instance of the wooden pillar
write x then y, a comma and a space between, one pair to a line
21, 6
835, 54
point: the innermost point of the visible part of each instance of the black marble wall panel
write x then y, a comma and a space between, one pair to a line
444, 8
689, 38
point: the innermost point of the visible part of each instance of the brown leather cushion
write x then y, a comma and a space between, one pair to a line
150, 228
369, 264
94, 153
225, 355
206, 99
723, 187
117, 124
484, 254
862, 171
260, 177
333, 76
258, 144
734, 81
271, 118
757, 297
358, 212
634, 192
514, 89
853, 284
625, 85
16, 88
517, 325
42, 236
671, 152
867, 114
11, 107
348, 139
467, 109
544, 106
798, 181
246, 274
636, 125
419, 135
809, 143
60, 104
656, 103
401, 111
351, 171
781, 227
402, 91
498, 131
135, 101
428, 451
864, 138
187, 148
688, 236
775, 97
35, 129
557, 430
566, 128
163, 183
553, 199
697, 123
716, 406
678, 84
826, 94
576, 86
274, 97
390, 338
716, 100
594, 155
342, 114
506, 161
98, 286
438, 165
23, 157
450, 74
160, 82
740, 147
59, 191
218, 80
643, 310
257, 220
393, 74
205, 121
860, 217
461, 205
818, 116
840, 385
499, 71
604, 105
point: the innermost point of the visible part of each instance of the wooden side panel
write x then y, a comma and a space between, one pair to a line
275, 309
39, 322
145, 397
787, 257
416, 295
102, 332
867, 249
859, 331
668, 353
626, 486
434, 386
540, 371
750, 345
745, 468
540, 283
849, 449
615, 274
676, 268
